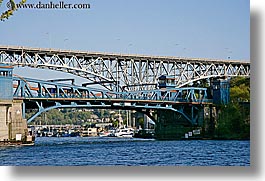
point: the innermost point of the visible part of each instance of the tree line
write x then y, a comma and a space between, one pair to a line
233, 121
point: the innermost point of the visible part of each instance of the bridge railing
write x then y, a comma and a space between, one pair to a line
187, 94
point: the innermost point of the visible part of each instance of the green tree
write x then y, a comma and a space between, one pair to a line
236, 81
233, 122
115, 123
141, 122
234, 118
12, 7
240, 89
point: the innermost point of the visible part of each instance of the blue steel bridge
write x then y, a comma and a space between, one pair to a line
46, 95
124, 82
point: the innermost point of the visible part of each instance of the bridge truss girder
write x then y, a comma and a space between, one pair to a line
27, 88
46, 95
129, 72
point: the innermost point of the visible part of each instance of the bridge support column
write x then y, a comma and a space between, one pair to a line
12, 125
18, 125
4, 130
13, 128
210, 119
170, 125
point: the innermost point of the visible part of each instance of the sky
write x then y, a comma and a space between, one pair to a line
215, 29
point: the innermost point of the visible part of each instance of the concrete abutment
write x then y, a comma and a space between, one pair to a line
12, 125
13, 128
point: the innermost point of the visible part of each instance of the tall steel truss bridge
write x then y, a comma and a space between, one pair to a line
120, 72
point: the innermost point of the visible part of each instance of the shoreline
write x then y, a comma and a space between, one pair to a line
16, 143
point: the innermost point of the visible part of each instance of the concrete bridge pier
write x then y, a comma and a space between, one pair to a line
13, 128
171, 125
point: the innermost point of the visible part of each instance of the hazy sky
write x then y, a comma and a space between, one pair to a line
215, 29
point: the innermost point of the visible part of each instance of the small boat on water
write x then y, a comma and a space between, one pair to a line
49, 134
145, 133
124, 132
104, 134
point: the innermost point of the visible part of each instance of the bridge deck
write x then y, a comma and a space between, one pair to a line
120, 71
184, 102
115, 55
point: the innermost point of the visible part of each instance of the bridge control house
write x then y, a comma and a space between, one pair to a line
13, 128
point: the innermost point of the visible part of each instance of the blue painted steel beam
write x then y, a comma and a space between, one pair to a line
61, 94
57, 105
32, 88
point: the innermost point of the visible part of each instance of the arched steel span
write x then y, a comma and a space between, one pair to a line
115, 71
143, 109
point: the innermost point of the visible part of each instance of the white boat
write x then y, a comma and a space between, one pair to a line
124, 132
104, 134
49, 134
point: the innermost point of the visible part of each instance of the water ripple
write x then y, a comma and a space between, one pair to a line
130, 152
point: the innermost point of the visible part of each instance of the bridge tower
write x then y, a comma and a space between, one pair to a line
221, 93
12, 126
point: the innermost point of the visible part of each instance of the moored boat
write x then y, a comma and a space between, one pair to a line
124, 132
